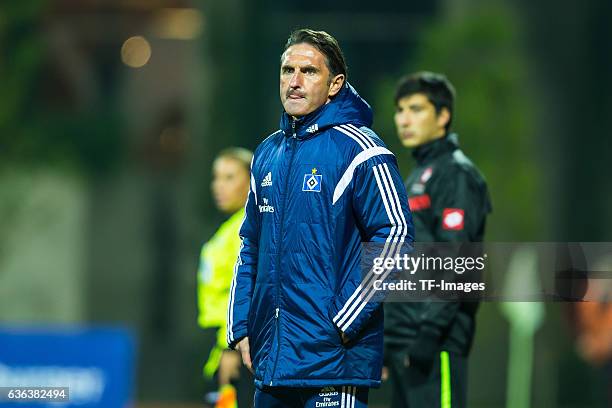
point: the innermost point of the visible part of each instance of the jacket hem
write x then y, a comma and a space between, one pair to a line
324, 382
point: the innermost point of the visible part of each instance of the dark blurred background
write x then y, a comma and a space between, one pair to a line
112, 110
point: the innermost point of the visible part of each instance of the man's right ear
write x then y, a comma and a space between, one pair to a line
443, 117
336, 84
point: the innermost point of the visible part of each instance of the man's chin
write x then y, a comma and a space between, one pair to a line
409, 143
295, 109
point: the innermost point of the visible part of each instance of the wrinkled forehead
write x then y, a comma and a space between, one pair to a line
302, 54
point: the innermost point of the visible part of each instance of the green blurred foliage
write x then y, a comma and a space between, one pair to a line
21, 52
36, 126
481, 53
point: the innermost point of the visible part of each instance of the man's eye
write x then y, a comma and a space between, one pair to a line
287, 70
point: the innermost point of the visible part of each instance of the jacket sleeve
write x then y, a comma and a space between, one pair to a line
245, 271
459, 207
380, 206
458, 212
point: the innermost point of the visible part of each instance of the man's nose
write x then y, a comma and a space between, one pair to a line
296, 80
404, 119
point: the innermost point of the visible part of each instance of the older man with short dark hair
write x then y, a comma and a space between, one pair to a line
300, 311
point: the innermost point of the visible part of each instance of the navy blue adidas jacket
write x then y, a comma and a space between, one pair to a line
320, 186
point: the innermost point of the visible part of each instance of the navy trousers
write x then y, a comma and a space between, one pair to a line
336, 397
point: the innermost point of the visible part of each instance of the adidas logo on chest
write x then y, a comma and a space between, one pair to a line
267, 181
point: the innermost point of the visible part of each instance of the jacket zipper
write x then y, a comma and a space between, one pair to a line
278, 261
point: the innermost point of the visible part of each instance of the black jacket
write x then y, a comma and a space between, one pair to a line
449, 200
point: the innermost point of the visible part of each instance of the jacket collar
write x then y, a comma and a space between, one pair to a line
346, 107
432, 150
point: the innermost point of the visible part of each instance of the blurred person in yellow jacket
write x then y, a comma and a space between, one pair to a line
230, 186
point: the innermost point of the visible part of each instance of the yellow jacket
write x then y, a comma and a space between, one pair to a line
215, 273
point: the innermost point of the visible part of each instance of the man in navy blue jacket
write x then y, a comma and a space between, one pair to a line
301, 312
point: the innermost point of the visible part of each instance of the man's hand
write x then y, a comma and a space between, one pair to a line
243, 347
384, 375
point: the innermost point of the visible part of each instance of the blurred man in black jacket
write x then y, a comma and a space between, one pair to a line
427, 343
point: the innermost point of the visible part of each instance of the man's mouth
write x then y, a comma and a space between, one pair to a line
295, 96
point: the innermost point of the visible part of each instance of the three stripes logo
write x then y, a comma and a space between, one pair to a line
313, 128
340, 397
366, 290
267, 181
